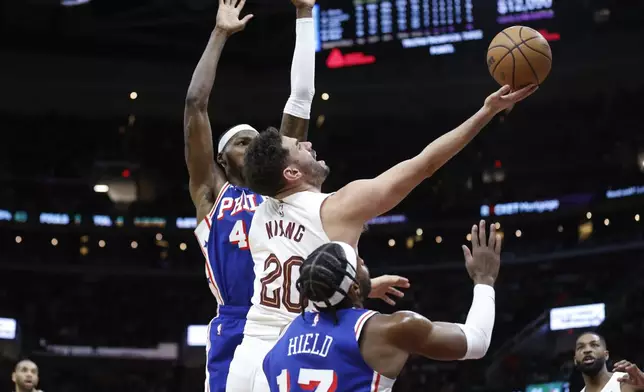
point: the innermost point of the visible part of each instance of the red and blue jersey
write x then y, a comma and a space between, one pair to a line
223, 238
318, 353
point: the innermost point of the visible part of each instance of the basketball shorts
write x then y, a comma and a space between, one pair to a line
246, 371
225, 334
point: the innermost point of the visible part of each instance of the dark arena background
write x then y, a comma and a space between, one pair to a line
101, 279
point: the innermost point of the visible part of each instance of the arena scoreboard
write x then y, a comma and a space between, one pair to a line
440, 25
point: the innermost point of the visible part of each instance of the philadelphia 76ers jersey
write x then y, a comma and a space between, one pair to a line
318, 353
223, 238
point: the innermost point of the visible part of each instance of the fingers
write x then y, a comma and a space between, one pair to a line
482, 239
492, 239
503, 90
497, 244
621, 365
475, 236
241, 4
401, 282
521, 94
395, 292
466, 252
623, 379
388, 300
247, 19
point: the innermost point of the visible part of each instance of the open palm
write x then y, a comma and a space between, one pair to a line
505, 98
228, 16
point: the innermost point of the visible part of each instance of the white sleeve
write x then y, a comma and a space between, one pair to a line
302, 70
480, 322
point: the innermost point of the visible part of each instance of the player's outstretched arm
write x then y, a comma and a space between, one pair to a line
415, 334
363, 200
297, 112
206, 178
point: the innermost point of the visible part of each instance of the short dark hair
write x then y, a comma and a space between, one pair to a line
601, 338
15, 367
321, 275
264, 163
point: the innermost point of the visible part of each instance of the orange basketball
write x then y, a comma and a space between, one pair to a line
519, 56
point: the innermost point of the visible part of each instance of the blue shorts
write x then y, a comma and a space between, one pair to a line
225, 333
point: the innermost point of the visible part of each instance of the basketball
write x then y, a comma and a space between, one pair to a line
519, 56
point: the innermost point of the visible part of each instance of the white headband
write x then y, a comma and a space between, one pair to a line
231, 133
352, 268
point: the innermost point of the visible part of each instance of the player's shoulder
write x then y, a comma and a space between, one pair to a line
399, 321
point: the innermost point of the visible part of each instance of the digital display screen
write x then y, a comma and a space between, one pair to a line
440, 25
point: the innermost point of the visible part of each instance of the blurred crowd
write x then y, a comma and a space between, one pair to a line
83, 305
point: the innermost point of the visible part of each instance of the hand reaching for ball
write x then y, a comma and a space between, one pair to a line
505, 98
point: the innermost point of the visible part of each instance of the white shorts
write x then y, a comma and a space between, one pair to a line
246, 373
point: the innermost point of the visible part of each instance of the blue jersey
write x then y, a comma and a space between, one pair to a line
316, 353
223, 237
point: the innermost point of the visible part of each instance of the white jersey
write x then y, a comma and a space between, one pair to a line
612, 385
282, 235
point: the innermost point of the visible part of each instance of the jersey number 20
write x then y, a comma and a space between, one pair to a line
281, 296
310, 379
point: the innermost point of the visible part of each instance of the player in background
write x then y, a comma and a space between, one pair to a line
590, 359
344, 347
25, 376
224, 204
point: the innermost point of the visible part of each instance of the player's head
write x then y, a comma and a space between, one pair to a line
334, 277
231, 148
591, 353
25, 375
275, 163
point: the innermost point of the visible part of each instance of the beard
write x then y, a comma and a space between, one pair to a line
591, 369
365, 287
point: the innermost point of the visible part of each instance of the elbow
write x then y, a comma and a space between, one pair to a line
303, 93
196, 102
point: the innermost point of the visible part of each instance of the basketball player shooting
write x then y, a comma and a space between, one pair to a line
297, 218
591, 355
344, 347
224, 204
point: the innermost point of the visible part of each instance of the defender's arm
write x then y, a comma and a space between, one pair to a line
415, 334
206, 177
297, 112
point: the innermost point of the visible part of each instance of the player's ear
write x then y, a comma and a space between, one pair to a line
354, 293
292, 173
221, 160
13, 377
606, 355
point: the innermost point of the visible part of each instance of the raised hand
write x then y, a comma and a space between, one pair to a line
484, 261
228, 16
634, 376
385, 285
303, 3
505, 98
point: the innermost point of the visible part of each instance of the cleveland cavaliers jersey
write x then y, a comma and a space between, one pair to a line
612, 385
282, 235
223, 239
316, 352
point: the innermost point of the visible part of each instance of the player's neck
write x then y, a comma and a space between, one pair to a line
296, 189
18, 389
236, 181
597, 381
